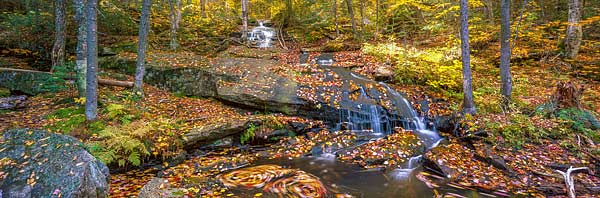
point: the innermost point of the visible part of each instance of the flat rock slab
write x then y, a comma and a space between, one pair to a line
36, 163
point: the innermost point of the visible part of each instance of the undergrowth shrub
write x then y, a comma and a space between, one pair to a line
516, 129
581, 121
132, 143
27, 32
71, 118
439, 68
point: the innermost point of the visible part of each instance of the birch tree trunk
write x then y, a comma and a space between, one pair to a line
351, 13
142, 43
81, 51
468, 104
574, 31
91, 96
174, 18
244, 19
58, 50
506, 88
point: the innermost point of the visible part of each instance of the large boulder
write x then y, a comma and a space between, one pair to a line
35, 163
331, 94
23, 80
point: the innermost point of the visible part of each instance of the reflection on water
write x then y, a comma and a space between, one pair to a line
340, 178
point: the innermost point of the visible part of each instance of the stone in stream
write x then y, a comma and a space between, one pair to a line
35, 163
157, 188
13, 102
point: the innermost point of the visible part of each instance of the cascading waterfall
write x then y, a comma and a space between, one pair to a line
368, 119
261, 36
375, 120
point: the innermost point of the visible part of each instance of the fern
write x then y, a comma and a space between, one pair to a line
248, 135
131, 143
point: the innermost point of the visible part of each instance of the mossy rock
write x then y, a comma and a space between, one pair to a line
35, 163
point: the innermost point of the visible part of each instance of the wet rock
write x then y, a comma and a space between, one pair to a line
486, 154
13, 102
157, 188
35, 163
198, 136
263, 85
221, 143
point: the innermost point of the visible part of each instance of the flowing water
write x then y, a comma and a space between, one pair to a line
261, 36
369, 120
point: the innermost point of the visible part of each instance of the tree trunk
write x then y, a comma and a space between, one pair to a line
58, 50
174, 18
244, 19
351, 13
574, 31
377, 18
335, 17
506, 88
289, 7
203, 8
81, 51
91, 102
489, 10
362, 16
468, 104
142, 43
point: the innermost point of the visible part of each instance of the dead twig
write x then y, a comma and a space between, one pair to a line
569, 180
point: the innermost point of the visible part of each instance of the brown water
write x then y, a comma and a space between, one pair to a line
347, 179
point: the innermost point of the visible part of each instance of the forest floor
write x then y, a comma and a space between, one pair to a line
530, 166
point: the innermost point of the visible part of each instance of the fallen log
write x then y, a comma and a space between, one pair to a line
71, 77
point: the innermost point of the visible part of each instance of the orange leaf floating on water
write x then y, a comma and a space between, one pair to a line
301, 184
253, 177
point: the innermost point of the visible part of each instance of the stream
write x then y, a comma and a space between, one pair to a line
321, 173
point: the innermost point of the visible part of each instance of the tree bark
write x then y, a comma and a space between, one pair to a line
489, 10
505, 53
91, 102
335, 17
142, 43
244, 19
81, 51
362, 16
58, 50
289, 7
174, 18
377, 18
351, 13
574, 31
468, 104
203, 8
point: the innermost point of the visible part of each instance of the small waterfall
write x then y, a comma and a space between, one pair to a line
366, 112
413, 162
375, 120
413, 121
261, 36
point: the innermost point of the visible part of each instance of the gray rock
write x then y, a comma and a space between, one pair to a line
36, 163
205, 134
13, 102
22, 80
157, 188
